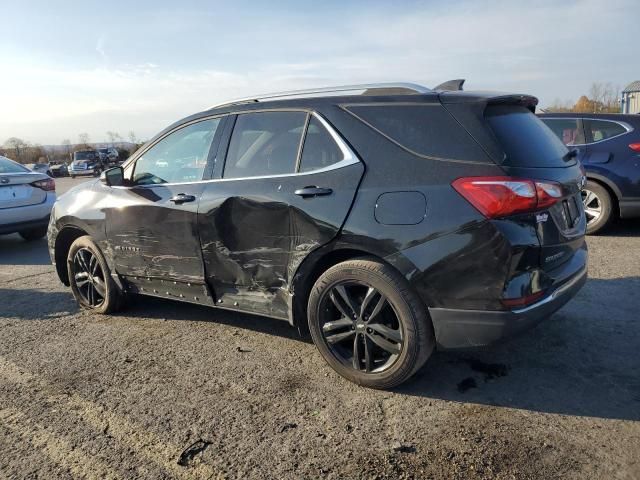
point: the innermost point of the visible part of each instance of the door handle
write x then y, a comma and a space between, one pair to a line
313, 191
181, 198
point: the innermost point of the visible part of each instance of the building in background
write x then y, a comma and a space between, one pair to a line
631, 98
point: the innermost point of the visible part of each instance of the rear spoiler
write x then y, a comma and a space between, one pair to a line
489, 98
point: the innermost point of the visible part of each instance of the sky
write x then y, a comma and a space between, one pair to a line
71, 67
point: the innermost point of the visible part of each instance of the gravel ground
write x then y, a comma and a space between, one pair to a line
169, 390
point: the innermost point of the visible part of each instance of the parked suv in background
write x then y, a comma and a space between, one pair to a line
86, 162
109, 156
26, 199
608, 146
389, 219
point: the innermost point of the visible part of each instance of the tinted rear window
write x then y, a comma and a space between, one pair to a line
427, 130
7, 166
525, 139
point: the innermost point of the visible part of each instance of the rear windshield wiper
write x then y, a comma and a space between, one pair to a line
573, 153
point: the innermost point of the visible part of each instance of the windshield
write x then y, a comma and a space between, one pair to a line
84, 156
9, 166
525, 139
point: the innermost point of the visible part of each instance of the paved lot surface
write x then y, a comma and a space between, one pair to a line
85, 396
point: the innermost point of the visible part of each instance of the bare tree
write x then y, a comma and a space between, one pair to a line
132, 137
18, 146
112, 137
604, 98
66, 143
83, 139
560, 106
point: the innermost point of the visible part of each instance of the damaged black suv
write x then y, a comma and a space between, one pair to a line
390, 218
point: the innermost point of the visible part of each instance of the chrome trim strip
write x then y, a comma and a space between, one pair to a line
305, 93
349, 158
556, 293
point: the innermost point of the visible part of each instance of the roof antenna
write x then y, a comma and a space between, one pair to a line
451, 85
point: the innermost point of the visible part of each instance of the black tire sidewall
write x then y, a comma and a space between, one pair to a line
381, 277
606, 204
111, 298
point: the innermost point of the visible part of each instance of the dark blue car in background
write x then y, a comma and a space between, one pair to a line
608, 146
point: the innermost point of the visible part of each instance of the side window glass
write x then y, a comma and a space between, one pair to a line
179, 157
264, 143
319, 149
568, 130
602, 129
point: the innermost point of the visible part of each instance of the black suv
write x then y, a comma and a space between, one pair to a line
391, 219
608, 146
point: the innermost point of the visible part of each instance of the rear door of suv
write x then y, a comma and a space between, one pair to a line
283, 187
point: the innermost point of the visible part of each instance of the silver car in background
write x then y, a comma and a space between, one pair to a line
26, 200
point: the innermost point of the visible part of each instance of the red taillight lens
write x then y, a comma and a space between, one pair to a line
48, 185
635, 147
502, 196
548, 193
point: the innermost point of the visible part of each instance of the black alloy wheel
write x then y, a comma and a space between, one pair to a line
368, 323
360, 327
89, 278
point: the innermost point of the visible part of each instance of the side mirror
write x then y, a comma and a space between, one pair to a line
114, 177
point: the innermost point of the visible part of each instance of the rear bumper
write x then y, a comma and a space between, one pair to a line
89, 171
629, 207
21, 226
17, 219
456, 328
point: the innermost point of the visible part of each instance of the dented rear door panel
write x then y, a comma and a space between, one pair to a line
255, 232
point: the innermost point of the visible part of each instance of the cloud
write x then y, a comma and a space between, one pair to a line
100, 48
551, 50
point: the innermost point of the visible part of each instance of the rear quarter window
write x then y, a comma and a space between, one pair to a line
525, 139
426, 130
599, 130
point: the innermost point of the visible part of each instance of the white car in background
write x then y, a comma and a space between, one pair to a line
26, 200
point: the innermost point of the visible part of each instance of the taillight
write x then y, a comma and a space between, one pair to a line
502, 196
635, 147
48, 185
548, 193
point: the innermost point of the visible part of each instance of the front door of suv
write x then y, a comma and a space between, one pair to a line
286, 188
152, 222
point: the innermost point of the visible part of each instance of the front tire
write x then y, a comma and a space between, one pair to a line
598, 207
368, 324
90, 278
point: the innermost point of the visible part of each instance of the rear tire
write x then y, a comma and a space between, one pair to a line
598, 206
73, 176
391, 336
90, 278
33, 233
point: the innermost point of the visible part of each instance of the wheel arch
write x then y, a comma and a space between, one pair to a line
66, 236
610, 187
319, 262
